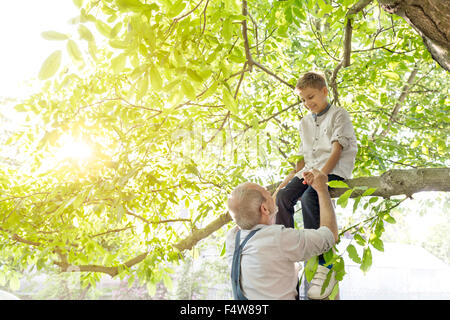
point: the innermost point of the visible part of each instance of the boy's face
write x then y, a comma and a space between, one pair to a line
314, 99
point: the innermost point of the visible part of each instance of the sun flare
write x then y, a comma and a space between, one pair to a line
73, 149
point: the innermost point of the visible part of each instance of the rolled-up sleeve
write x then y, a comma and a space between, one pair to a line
342, 128
300, 245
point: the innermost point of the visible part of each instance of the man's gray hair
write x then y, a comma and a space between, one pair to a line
244, 205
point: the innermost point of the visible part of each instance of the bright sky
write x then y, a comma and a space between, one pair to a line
23, 49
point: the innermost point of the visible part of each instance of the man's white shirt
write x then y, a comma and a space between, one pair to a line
267, 262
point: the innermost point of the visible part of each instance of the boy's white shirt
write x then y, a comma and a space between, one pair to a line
318, 135
267, 262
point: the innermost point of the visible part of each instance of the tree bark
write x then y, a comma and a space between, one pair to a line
431, 19
390, 183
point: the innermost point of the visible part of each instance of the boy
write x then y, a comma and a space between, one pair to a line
328, 143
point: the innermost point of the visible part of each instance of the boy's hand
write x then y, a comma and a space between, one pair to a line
308, 177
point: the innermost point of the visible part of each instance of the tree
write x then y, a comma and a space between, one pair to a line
431, 20
181, 101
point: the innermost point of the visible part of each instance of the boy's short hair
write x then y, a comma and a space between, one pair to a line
311, 80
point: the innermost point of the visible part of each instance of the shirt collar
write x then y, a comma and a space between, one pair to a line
321, 112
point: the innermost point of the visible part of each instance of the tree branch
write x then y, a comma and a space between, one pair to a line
273, 75
244, 34
248, 55
156, 222
361, 4
112, 271
391, 183
398, 105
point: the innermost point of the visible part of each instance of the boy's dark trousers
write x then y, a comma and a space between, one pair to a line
288, 196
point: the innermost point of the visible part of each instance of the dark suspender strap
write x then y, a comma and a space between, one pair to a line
236, 266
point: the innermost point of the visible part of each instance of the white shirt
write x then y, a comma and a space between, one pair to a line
317, 136
267, 262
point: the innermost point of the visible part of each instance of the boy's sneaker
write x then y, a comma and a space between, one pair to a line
315, 289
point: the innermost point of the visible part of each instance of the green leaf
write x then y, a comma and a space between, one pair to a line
188, 89
222, 252
142, 87
343, 199
356, 203
118, 63
120, 213
366, 260
92, 48
359, 240
211, 90
415, 144
155, 78
326, 282
229, 101
368, 192
377, 244
74, 51
115, 30
133, 5
103, 28
151, 288
50, 65
334, 292
78, 3
311, 268
392, 75
167, 280
337, 184
388, 218
329, 257
339, 269
373, 199
191, 168
53, 35
176, 8
227, 30
85, 33
353, 254
194, 75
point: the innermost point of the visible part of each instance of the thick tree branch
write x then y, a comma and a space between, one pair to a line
347, 43
391, 183
431, 19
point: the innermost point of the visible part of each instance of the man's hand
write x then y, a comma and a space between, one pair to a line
318, 180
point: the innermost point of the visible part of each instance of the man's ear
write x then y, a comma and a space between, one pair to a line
264, 210
325, 90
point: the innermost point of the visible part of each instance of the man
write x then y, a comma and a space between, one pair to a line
263, 266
